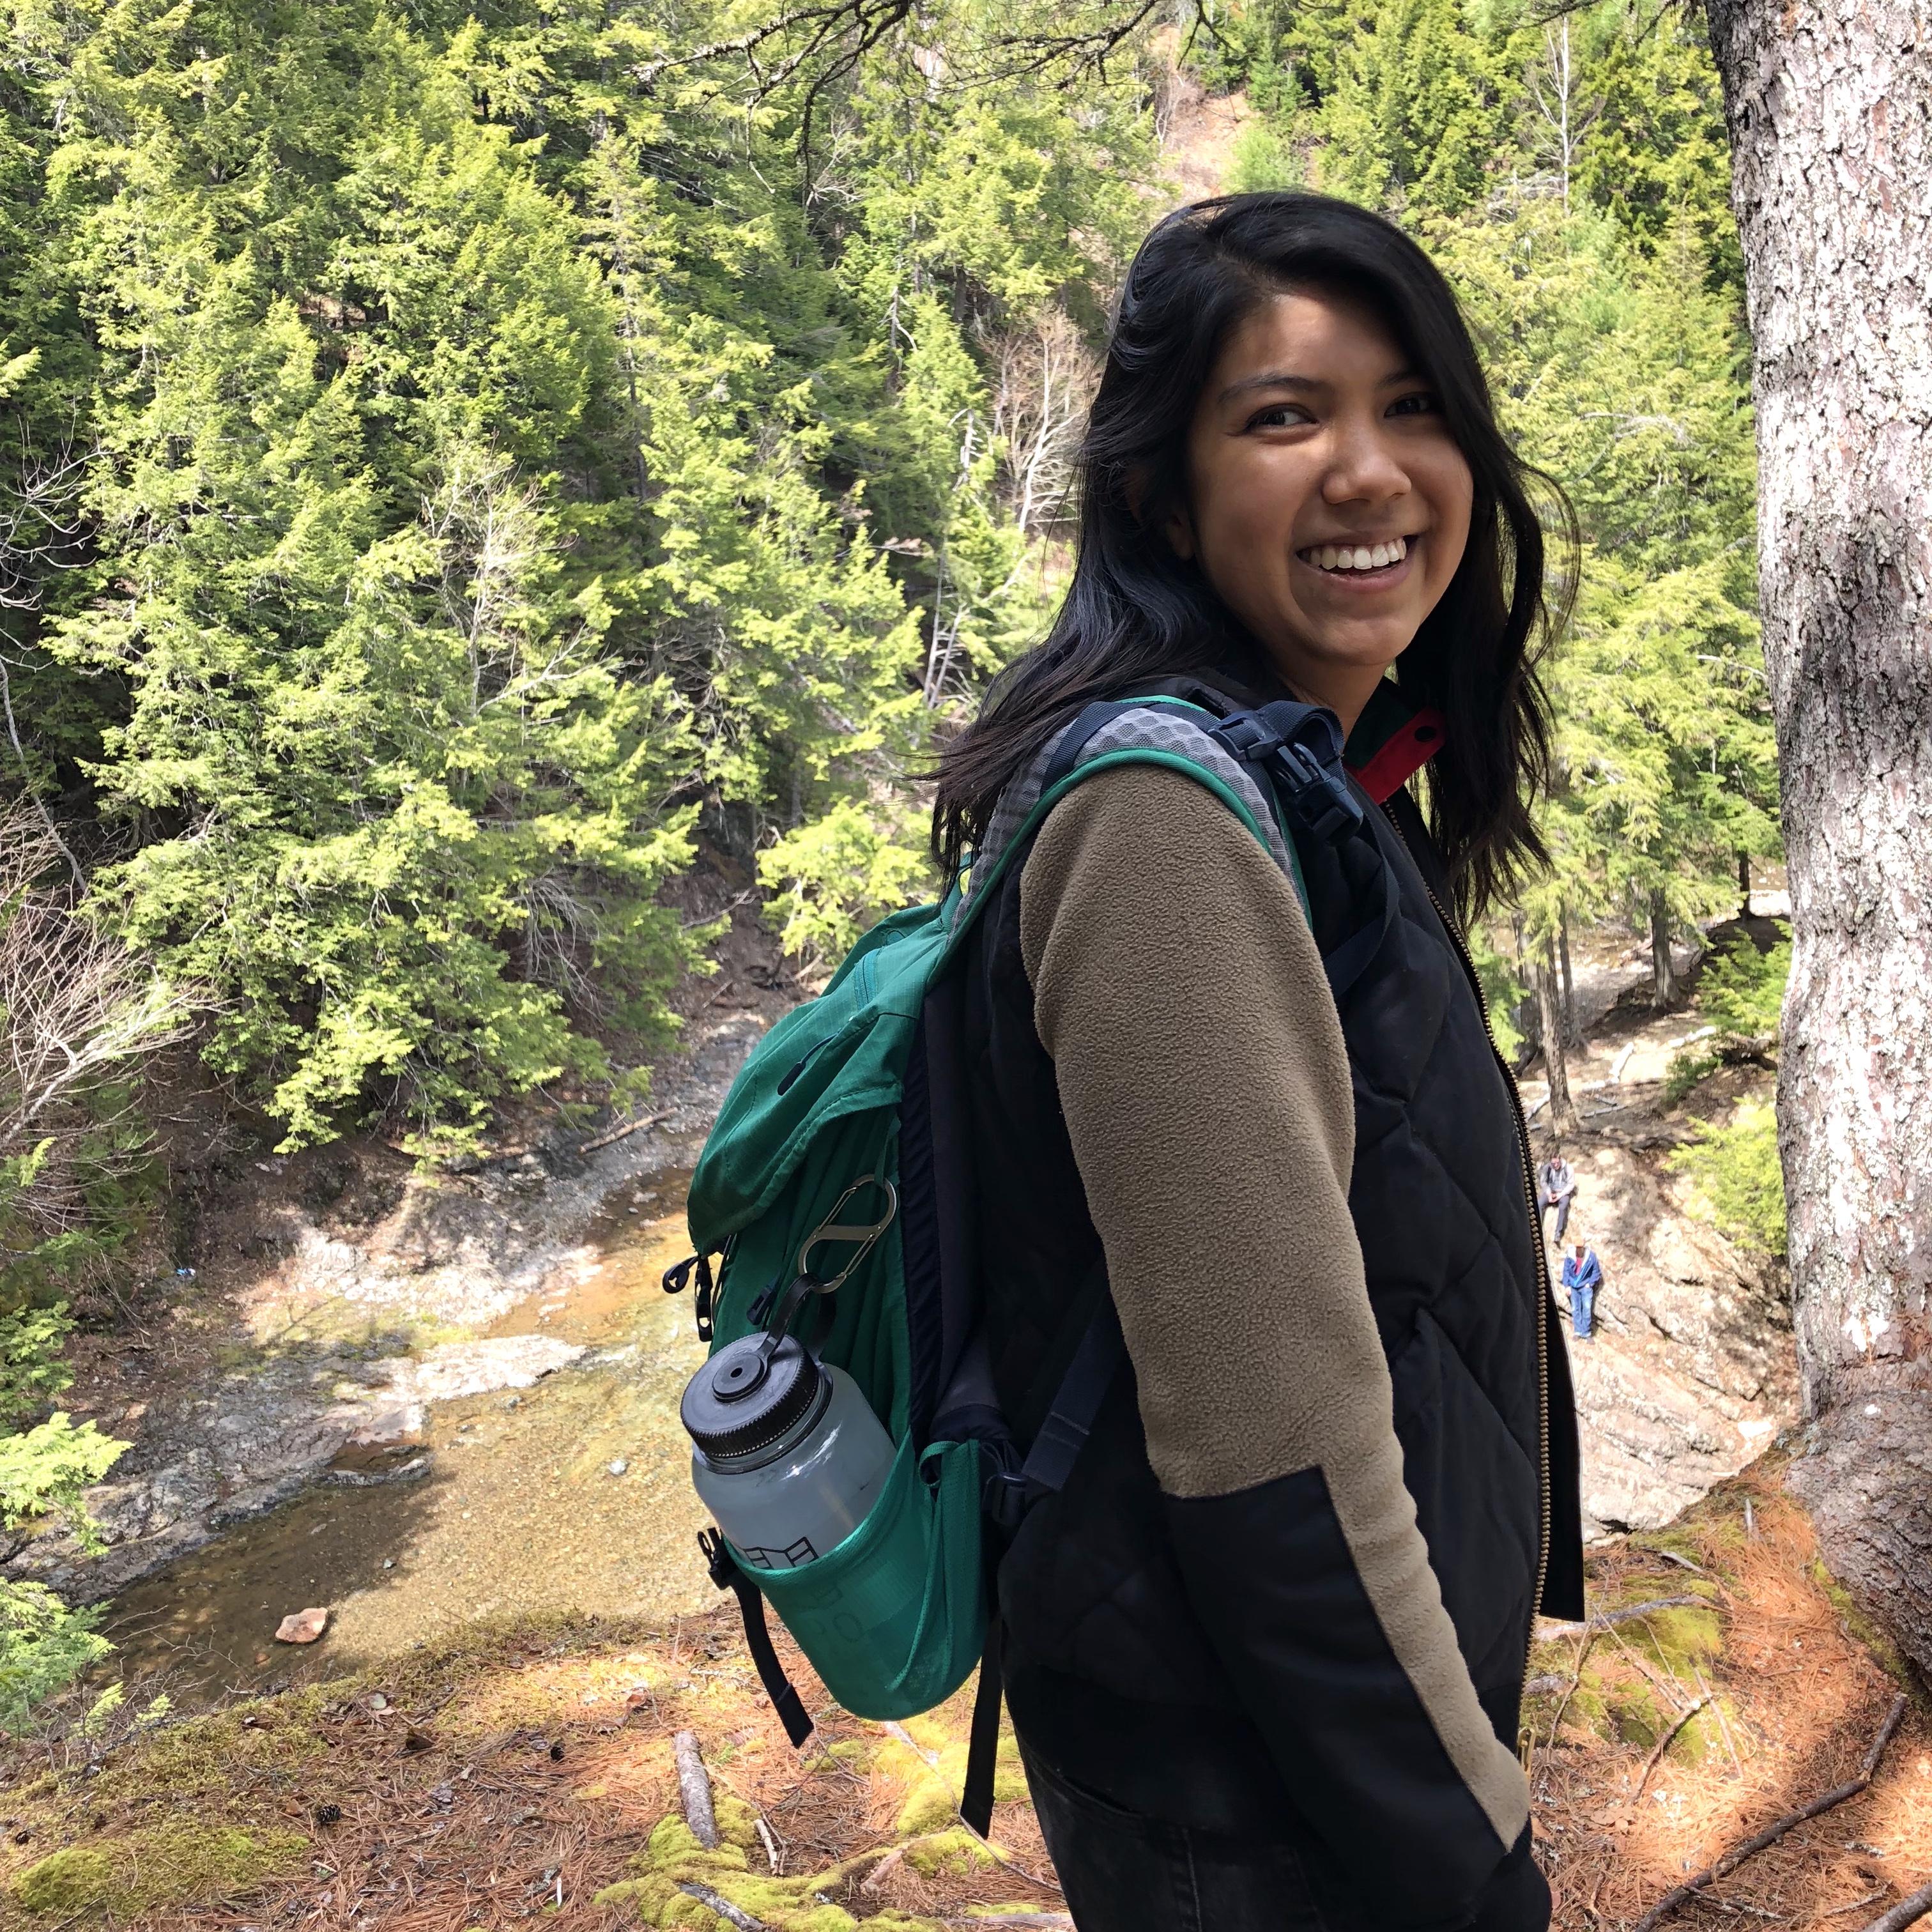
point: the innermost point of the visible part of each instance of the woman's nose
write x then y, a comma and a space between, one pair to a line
1364, 466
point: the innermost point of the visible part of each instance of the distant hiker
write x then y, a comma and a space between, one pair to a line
1582, 1276
1264, 1648
1557, 1189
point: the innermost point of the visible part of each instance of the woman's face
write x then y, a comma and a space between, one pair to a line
1328, 504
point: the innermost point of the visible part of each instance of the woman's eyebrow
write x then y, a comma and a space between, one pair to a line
1271, 379
1284, 379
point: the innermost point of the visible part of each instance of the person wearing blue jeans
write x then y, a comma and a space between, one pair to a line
1582, 1276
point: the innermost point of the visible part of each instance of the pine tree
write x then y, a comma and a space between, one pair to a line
1416, 110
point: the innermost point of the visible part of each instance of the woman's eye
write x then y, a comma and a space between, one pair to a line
1420, 404
1280, 415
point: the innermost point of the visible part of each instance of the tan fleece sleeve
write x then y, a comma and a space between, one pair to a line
1201, 1069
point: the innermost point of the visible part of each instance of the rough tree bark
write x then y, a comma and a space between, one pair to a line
1662, 968
1549, 1022
1830, 107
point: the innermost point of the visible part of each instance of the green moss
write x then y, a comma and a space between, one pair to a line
1633, 1714
694, 1913
165, 1865
737, 1822
203, 1758
929, 1807
1589, 1707
1861, 1628
954, 1852
673, 1857
647, 1896
1699, 1739
1678, 1642
1679, 1539
66, 1883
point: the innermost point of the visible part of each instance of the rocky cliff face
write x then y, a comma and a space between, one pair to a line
1692, 1371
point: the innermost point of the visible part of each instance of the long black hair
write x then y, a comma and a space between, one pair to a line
1135, 611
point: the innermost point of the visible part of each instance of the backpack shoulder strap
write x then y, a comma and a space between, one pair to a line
1155, 730
1278, 767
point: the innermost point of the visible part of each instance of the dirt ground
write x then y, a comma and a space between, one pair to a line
527, 1772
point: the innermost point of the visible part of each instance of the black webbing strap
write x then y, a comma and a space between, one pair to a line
1070, 1421
1056, 1447
726, 1574
1298, 747
982, 1743
1348, 961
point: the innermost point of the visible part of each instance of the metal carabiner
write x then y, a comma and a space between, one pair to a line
860, 1235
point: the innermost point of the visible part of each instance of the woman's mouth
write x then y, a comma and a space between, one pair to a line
1361, 562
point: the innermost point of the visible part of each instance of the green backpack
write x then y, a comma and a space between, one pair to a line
842, 1153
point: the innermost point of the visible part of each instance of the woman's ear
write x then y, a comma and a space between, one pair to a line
1178, 528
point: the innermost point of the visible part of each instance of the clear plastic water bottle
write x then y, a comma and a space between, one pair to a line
786, 1455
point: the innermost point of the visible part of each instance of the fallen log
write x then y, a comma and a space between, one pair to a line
694, 1785
1906, 1911
1609, 1619
732, 1914
619, 1133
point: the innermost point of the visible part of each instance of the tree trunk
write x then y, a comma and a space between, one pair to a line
1829, 103
1744, 885
1662, 973
1562, 1113
1572, 1032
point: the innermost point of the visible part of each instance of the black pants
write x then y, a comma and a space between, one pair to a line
1562, 1207
1123, 1872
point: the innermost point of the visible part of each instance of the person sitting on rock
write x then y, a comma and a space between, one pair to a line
1582, 1276
1559, 1189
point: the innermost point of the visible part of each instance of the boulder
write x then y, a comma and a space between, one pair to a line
1693, 1369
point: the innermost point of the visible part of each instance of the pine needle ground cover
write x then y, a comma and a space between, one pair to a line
529, 1774
1786, 1691
522, 1775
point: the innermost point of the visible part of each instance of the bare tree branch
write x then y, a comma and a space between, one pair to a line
77, 1011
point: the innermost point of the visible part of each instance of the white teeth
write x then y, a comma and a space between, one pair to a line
1328, 556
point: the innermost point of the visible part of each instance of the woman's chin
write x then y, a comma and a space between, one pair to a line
1362, 645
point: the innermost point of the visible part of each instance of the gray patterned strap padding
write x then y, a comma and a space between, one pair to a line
1158, 728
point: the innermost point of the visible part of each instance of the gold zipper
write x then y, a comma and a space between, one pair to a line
1539, 1272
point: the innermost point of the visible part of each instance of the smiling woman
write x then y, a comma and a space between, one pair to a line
1328, 504
1205, 306
1264, 1650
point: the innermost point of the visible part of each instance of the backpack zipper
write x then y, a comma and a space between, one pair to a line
1539, 1273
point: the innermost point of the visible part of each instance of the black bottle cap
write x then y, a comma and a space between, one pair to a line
750, 1396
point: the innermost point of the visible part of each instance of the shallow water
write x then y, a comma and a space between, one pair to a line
517, 1513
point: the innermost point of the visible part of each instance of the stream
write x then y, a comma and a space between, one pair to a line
570, 1498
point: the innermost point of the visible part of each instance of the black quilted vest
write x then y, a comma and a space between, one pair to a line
1110, 1675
